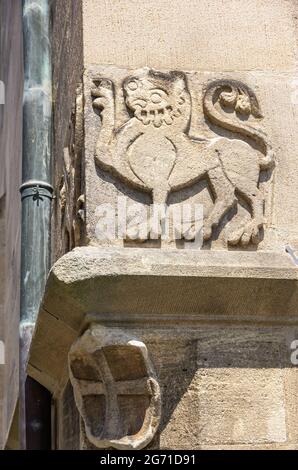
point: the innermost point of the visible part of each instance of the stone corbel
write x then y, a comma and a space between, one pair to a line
115, 389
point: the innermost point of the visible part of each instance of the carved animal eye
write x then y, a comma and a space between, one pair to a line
156, 98
132, 85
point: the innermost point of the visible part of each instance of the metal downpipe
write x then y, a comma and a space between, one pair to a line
36, 189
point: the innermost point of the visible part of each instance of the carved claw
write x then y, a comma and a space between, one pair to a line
207, 232
249, 233
235, 236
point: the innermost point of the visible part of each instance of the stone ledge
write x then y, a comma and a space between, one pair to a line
94, 261
129, 286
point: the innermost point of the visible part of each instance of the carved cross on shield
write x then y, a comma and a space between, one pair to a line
115, 391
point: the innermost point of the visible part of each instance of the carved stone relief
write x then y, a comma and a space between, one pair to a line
70, 197
115, 389
154, 151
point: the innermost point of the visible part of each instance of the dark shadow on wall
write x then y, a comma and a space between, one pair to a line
67, 64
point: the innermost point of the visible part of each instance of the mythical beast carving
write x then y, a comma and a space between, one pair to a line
154, 152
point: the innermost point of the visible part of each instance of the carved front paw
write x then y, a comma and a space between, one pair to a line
250, 232
207, 231
102, 92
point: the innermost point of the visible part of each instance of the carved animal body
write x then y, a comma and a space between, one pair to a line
154, 152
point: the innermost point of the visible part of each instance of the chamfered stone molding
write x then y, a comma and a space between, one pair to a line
138, 286
115, 389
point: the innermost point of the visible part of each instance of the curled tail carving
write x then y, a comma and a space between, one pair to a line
236, 96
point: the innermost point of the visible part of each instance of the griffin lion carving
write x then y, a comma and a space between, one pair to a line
154, 152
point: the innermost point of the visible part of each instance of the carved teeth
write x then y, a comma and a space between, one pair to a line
168, 118
158, 119
156, 116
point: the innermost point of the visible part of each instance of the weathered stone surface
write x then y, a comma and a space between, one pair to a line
11, 74
194, 35
67, 63
231, 385
141, 285
246, 208
115, 389
67, 420
237, 394
154, 151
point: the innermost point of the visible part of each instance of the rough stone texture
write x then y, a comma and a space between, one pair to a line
197, 35
10, 179
12, 441
67, 421
231, 386
226, 376
67, 60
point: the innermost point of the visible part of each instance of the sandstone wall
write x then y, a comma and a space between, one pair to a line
232, 386
196, 35
67, 60
226, 382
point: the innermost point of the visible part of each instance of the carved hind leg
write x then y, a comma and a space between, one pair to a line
251, 231
225, 198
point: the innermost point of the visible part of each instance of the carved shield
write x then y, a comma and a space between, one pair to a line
115, 389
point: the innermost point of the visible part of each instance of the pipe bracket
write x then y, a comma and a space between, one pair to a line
37, 190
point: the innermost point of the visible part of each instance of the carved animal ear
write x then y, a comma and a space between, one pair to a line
130, 84
179, 82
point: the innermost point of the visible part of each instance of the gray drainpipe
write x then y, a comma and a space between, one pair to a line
36, 190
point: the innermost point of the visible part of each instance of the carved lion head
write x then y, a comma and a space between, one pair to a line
154, 97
